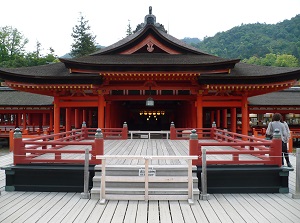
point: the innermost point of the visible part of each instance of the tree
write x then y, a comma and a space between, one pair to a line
13, 54
84, 41
12, 44
129, 29
286, 60
271, 59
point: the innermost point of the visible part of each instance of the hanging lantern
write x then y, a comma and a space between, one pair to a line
149, 102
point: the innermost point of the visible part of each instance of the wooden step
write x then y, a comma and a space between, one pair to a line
95, 192
141, 184
123, 181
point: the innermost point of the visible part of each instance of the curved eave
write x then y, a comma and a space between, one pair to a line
52, 80
280, 98
131, 40
49, 74
252, 74
151, 62
20, 99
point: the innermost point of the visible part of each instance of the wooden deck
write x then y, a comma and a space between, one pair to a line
69, 207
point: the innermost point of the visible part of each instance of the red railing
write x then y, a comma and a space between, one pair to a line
184, 133
52, 148
109, 133
262, 151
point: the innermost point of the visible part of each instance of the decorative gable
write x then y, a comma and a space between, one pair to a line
150, 45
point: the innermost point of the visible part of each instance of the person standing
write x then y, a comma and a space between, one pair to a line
277, 124
287, 141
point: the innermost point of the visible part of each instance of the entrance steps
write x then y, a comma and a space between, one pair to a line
127, 182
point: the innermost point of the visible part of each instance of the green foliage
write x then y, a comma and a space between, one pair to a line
257, 39
271, 59
129, 29
84, 42
12, 44
12, 50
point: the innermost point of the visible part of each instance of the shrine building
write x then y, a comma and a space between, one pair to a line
148, 79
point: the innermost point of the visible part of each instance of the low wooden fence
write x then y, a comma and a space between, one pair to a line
184, 133
147, 179
259, 151
52, 148
295, 136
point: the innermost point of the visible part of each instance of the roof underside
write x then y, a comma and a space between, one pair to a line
18, 98
212, 69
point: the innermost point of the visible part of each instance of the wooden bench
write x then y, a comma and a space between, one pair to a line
143, 134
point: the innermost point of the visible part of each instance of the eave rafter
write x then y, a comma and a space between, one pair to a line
145, 76
52, 89
25, 86
250, 88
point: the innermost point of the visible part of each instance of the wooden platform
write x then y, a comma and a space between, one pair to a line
69, 207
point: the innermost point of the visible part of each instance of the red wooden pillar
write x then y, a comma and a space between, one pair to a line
51, 121
107, 115
24, 120
199, 111
189, 112
44, 119
101, 104
29, 118
77, 122
193, 115
245, 115
193, 147
218, 119
68, 119
56, 115
224, 117
19, 117
233, 119
83, 116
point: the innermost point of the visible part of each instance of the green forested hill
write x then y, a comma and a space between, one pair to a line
257, 39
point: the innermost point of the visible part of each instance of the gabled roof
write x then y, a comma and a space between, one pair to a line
11, 97
150, 49
252, 74
55, 73
289, 97
133, 39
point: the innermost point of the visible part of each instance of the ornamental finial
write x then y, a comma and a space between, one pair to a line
150, 10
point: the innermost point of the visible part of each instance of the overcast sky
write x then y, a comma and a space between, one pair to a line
51, 22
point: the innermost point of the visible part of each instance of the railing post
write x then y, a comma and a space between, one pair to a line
86, 176
98, 145
11, 140
84, 130
172, 131
276, 148
193, 146
225, 135
204, 195
125, 131
213, 130
18, 147
297, 191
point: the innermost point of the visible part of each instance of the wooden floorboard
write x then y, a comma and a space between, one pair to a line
70, 207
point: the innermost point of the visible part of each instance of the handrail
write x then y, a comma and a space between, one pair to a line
179, 133
268, 152
147, 179
31, 150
